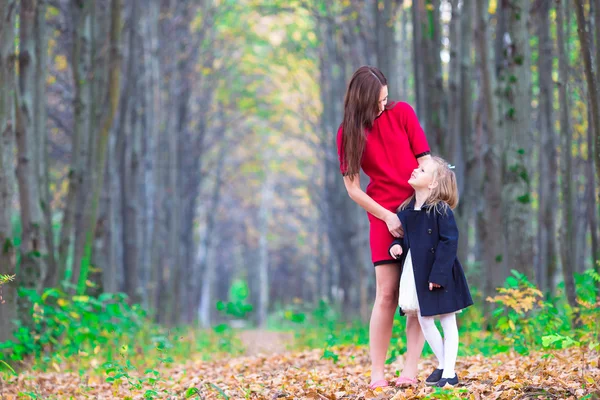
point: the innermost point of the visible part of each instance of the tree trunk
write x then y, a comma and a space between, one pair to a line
547, 239
454, 82
41, 136
595, 111
173, 186
209, 269
418, 8
264, 215
127, 176
492, 238
33, 247
159, 246
80, 65
515, 86
436, 101
569, 237
404, 56
8, 292
151, 85
464, 152
597, 27
80, 272
386, 44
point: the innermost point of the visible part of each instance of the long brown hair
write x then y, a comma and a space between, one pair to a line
361, 107
445, 193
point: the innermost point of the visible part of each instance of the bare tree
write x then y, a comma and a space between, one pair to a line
568, 224
80, 65
492, 237
8, 294
101, 145
546, 260
33, 247
515, 87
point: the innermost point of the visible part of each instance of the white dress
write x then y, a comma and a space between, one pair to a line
407, 298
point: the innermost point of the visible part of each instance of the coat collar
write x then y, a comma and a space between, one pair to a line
411, 205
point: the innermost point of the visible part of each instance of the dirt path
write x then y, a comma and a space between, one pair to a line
263, 342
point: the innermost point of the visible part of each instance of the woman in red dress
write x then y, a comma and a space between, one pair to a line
388, 143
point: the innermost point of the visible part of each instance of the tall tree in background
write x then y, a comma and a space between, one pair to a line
516, 128
418, 9
8, 292
81, 62
387, 57
114, 67
490, 219
591, 80
33, 248
463, 149
568, 218
41, 138
126, 158
547, 194
430, 81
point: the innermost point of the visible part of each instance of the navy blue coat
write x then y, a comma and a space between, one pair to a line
433, 241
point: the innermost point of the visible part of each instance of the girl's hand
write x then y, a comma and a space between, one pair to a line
396, 251
394, 226
433, 285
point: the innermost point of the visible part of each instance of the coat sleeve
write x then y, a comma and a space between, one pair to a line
400, 241
445, 253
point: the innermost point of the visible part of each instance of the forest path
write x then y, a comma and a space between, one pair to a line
257, 341
561, 374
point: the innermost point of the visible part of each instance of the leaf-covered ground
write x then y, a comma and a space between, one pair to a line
305, 375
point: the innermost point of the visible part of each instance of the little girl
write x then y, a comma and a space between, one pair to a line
433, 283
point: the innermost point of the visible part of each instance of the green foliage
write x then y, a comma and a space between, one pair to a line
236, 306
73, 324
447, 393
86, 332
6, 278
522, 321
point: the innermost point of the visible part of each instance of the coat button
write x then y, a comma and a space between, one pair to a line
432, 250
429, 231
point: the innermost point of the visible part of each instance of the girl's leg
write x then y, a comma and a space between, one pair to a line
448, 322
431, 333
387, 277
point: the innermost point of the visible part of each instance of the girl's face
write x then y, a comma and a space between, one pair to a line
422, 176
383, 98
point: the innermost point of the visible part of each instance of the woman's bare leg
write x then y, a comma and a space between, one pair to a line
387, 277
414, 343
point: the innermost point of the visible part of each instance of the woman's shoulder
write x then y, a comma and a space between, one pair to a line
400, 107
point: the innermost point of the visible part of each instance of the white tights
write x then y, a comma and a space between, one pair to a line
446, 350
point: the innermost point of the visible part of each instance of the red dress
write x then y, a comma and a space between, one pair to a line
393, 146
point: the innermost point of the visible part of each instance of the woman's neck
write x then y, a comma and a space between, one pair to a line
420, 196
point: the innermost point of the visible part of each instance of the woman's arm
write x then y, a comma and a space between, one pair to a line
424, 158
416, 136
371, 206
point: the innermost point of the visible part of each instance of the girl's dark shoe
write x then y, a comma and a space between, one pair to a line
450, 381
434, 378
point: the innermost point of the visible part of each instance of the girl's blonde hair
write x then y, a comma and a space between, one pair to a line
445, 193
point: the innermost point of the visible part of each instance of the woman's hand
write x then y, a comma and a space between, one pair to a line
433, 286
394, 226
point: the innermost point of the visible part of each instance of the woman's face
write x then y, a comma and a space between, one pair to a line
383, 98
